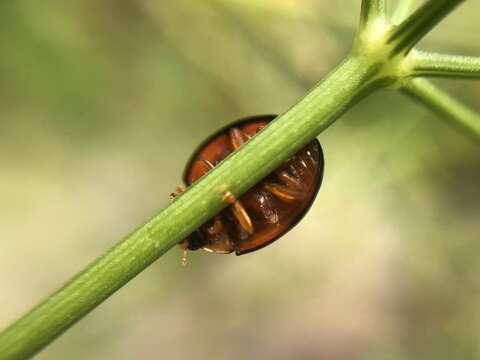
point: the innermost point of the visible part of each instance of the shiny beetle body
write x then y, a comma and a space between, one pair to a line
266, 211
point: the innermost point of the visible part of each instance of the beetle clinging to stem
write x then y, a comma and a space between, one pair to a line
266, 211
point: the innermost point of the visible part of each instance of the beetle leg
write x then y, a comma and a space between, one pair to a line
297, 165
216, 227
290, 180
219, 241
239, 212
228, 197
242, 217
267, 208
237, 137
179, 190
259, 129
207, 163
184, 246
284, 193
302, 161
312, 156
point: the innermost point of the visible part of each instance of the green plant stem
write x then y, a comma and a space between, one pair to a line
403, 9
372, 10
266, 151
455, 113
441, 65
412, 30
371, 66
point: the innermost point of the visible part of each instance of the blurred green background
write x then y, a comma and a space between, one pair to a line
101, 103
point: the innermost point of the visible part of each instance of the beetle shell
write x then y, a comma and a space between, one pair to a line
266, 211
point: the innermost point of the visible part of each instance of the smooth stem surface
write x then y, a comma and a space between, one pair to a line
266, 151
372, 10
432, 64
412, 30
455, 113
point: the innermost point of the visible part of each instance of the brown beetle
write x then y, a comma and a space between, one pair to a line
266, 211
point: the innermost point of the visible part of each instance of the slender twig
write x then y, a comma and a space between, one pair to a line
372, 10
364, 71
450, 109
412, 30
283, 137
442, 65
403, 9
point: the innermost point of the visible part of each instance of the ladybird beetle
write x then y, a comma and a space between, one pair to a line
266, 211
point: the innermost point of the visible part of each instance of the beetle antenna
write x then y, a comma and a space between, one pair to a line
184, 257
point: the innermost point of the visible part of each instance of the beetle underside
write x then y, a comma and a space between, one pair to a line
266, 211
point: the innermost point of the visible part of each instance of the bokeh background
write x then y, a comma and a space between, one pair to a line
101, 103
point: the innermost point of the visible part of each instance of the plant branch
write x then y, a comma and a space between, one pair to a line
442, 65
372, 10
413, 29
243, 169
403, 9
455, 113
370, 67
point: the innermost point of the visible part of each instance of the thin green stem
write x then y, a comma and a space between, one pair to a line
413, 29
244, 168
403, 9
371, 66
456, 114
442, 65
372, 10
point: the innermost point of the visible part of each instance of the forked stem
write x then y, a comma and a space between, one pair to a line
360, 74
